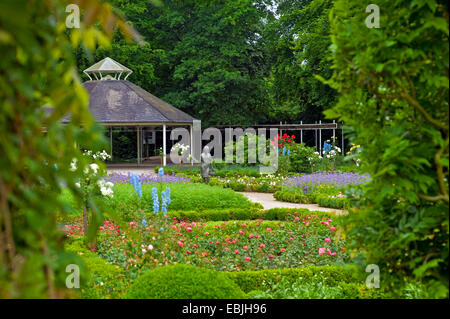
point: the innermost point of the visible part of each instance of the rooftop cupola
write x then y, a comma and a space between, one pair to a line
107, 69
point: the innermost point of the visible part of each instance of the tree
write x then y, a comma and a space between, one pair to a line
37, 72
204, 57
299, 41
393, 82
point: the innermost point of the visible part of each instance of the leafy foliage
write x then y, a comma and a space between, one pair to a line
299, 41
394, 86
37, 72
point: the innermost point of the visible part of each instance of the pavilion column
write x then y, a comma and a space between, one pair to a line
301, 133
320, 139
164, 145
192, 140
110, 141
138, 145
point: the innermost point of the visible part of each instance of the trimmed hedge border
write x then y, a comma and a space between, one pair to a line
321, 199
246, 214
348, 278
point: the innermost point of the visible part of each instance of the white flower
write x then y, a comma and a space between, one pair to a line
77, 185
73, 165
150, 247
94, 167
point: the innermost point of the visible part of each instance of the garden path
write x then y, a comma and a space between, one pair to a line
268, 201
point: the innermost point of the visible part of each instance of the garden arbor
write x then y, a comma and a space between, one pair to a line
124, 107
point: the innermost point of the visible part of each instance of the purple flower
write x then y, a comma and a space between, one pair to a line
306, 183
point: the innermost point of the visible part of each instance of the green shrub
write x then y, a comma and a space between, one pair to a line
325, 200
284, 165
292, 197
184, 282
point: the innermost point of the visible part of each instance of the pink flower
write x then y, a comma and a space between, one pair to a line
251, 236
204, 254
247, 258
328, 251
206, 233
236, 251
188, 228
268, 229
245, 247
270, 256
241, 232
291, 238
321, 251
188, 252
333, 254
332, 228
217, 242
297, 218
262, 245
283, 250
328, 240
180, 243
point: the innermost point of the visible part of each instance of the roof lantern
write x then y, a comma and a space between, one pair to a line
107, 66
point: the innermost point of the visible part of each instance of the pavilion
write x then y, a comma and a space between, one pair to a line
123, 107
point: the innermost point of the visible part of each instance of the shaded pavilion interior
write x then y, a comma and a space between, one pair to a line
138, 124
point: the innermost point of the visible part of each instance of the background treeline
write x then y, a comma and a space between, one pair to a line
235, 62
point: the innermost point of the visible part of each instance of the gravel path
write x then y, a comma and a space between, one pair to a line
268, 201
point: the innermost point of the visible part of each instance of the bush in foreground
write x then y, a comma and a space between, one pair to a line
184, 282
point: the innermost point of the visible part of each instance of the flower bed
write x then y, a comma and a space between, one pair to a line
323, 188
303, 239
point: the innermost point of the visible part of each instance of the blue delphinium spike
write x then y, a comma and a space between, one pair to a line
288, 152
155, 200
144, 222
168, 196
284, 150
161, 171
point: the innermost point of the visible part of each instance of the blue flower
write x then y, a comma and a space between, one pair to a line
155, 200
161, 171
144, 222
136, 182
284, 150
